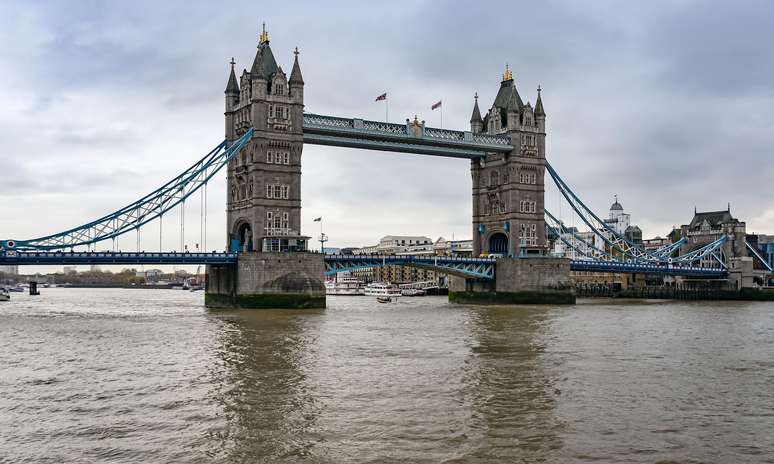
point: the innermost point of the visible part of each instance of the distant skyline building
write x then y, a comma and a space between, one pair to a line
12, 270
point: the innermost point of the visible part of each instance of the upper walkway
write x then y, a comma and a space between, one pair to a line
406, 138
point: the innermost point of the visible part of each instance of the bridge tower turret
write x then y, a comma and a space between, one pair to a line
263, 208
232, 101
508, 188
476, 123
264, 181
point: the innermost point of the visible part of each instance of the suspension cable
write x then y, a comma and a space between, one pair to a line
182, 225
205, 217
161, 228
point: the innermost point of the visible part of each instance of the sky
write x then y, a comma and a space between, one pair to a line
667, 104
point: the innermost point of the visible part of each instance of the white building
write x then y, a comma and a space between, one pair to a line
12, 270
618, 220
394, 244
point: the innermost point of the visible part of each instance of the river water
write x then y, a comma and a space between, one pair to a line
151, 376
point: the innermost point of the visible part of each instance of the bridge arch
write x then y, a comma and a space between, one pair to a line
242, 236
498, 243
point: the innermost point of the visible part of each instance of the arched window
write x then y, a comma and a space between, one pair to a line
494, 178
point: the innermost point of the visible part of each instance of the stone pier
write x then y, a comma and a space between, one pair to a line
534, 280
267, 280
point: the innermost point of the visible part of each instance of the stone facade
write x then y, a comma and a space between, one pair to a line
508, 189
268, 280
519, 281
264, 180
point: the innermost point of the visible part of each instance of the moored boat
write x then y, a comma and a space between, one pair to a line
344, 286
412, 292
382, 289
4, 296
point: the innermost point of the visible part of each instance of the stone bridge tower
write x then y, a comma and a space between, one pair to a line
264, 181
263, 207
508, 189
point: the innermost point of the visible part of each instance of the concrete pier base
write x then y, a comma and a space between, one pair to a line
267, 280
518, 281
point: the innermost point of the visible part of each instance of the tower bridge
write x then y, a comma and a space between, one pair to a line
267, 263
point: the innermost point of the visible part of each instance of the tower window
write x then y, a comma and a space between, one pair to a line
494, 178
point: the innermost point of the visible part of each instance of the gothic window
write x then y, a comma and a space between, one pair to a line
269, 191
287, 158
250, 189
285, 220
528, 234
277, 191
269, 157
494, 178
271, 111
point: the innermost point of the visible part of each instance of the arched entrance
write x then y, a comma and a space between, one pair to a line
245, 237
498, 243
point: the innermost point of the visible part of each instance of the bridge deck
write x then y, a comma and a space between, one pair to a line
469, 267
44, 258
384, 136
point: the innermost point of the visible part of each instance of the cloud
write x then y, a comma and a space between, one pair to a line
667, 104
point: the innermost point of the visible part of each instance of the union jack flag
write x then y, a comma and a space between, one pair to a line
381, 97
437, 105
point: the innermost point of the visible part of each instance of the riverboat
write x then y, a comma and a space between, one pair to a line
350, 286
382, 289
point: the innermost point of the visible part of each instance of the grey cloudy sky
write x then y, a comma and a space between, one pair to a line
667, 104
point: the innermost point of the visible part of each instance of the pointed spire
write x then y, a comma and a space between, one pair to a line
476, 117
264, 38
507, 75
232, 87
539, 111
295, 74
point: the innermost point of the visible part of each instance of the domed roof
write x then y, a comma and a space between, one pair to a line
616, 206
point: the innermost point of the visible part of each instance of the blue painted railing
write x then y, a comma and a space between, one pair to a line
45, 258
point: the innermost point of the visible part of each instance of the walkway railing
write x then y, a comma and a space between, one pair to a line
409, 138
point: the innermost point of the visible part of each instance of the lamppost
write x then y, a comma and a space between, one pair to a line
323, 237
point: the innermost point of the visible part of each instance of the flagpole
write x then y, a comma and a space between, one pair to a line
441, 114
386, 109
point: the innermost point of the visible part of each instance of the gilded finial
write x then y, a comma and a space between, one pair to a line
264, 35
539, 90
295, 52
476, 96
232, 62
507, 75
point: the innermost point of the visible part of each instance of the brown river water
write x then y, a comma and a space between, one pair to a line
151, 376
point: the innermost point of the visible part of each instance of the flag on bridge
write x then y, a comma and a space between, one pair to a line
381, 97
437, 105
318, 219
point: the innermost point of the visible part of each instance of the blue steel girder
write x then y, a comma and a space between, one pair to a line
631, 252
647, 268
374, 135
574, 241
481, 268
43, 258
144, 210
758, 256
